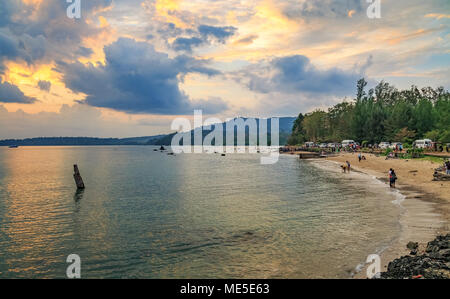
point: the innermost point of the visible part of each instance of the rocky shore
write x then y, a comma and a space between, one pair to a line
433, 262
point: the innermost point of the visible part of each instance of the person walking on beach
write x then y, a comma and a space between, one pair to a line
447, 167
359, 157
348, 166
392, 178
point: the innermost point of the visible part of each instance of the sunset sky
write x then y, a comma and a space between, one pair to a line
127, 68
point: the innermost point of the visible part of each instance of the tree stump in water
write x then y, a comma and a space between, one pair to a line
77, 176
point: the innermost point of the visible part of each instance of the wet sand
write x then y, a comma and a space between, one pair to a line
425, 209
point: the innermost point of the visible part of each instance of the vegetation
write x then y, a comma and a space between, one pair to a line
383, 113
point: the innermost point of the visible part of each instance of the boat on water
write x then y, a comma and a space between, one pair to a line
13, 146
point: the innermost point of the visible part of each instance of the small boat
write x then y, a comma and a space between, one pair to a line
13, 146
162, 148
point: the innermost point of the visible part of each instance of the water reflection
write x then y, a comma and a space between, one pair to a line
78, 195
149, 215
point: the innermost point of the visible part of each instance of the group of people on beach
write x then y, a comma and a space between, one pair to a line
361, 157
392, 175
346, 167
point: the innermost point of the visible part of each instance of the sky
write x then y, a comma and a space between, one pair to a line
129, 67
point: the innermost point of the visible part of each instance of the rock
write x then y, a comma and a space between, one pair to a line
441, 177
433, 264
445, 252
435, 255
412, 245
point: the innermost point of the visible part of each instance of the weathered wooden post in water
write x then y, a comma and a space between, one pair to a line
77, 176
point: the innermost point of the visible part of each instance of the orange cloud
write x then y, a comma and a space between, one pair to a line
103, 22
246, 40
268, 11
437, 16
32, 2
96, 43
418, 33
166, 9
26, 77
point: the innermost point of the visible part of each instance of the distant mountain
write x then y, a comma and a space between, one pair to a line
285, 129
285, 124
78, 141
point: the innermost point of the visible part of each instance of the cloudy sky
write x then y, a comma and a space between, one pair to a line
128, 67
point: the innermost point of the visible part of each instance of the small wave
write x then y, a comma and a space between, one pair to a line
400, 198
376, 184
379, 251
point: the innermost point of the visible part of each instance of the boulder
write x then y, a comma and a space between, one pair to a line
412, 245
433, 264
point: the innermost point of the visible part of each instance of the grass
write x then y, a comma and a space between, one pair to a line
438, 160
432, 159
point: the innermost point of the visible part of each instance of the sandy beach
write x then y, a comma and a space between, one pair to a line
426, 205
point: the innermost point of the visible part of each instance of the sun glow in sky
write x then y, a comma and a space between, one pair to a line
127, 68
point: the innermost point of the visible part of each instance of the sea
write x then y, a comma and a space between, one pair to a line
147, 214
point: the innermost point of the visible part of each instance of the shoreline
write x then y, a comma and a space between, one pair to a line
425, 207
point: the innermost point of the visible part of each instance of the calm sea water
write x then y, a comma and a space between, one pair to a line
145, 214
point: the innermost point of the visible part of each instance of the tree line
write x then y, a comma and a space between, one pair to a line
383, 113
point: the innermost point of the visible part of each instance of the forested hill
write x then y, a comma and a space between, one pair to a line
383, 113
285, 129
77, 141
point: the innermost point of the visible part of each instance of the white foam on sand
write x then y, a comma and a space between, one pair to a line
400, 198
417, 218
374, 181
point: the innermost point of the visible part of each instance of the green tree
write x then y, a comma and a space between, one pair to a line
433, 135
316, 126
340, 119
404, 135
382, 114
423, 119
297, 136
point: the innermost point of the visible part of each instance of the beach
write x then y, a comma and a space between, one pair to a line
426, 203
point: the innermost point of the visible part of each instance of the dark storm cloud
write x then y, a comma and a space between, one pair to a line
44, 85
41, 33
7, 9
219, 33
296, 74
204, 35
84, 52
186, 44
138, 79
45, 32
9, 47
11, 94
